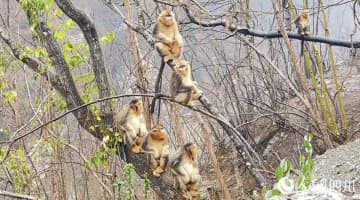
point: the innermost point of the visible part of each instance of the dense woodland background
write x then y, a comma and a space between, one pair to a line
261, 97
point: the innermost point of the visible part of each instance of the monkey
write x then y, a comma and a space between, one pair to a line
182, 88
157, 143
186, 170
131, 123
168, 40
302, 23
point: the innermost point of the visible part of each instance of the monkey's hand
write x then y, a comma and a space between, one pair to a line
164, 39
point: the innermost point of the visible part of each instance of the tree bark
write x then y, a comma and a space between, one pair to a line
91, 36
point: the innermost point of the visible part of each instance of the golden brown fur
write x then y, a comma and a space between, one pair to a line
157, 142
186, 171
131, 123
183, 89
302, 23
168, 42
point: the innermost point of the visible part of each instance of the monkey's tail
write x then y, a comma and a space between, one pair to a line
302, 48
157, 86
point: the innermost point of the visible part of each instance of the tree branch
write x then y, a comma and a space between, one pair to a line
15, 195
33, 63
270, 35
91, 36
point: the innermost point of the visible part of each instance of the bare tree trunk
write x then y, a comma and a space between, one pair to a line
140, 65
179, 134
206, 139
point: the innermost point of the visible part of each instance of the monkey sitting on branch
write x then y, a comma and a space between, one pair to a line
302, 23
131, 124
169, 42
186, 171
182, 88
157, 144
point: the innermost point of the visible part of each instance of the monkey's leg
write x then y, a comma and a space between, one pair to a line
154, 165
182, 185
194, 188
196, 92
132, 139
162, 164
164, 51
176, 50
307, 30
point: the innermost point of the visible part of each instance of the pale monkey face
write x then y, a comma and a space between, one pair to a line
169, 16
182, 68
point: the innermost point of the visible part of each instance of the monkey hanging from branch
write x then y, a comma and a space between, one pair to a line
130, 121
184, 166
157, 144
168, 43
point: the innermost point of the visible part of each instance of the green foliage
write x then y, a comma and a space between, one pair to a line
18, 168
99, 159
110, 36
41, 149
128, 173
306, 165
10, 96
4, 134
117, 187
35, 8
306, 170
109, 145
147, 187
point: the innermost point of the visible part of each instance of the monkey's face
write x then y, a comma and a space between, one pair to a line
136, 107
182, 68
159, 133
167, 17
305, 14
190, 150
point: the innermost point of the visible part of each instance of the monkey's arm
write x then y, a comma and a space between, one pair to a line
179, 39
161, 37
164, 38
177, 86
129, 133
143, 130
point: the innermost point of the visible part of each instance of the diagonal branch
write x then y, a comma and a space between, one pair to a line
91, 36
33, 63
269, 35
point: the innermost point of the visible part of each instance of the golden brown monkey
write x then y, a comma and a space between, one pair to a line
168, 42
302, 23
131, 123
185, 168
182, 88
157, 143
